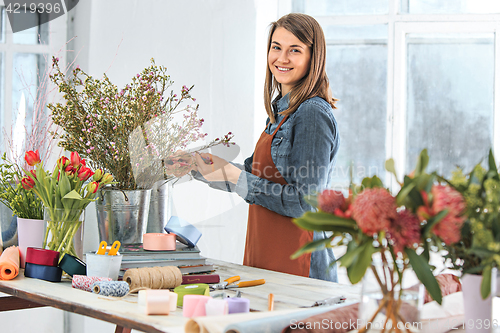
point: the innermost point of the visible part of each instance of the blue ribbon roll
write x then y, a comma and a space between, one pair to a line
186, 233
42, 272
111, 288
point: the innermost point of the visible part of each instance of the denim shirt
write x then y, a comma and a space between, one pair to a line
304, 151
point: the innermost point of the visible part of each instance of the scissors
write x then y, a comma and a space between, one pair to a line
229, 283
114, 248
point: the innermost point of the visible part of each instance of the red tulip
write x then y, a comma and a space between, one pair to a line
70, 171
107, 179
27, 183
84, 173
63, 162
98, 175
32, 157
75, 159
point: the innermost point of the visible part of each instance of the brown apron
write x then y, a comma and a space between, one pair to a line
272, 238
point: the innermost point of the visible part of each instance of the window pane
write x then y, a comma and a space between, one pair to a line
357, 70
2, 89
36, 35
27, 70
2, 24
340, 7
450, 7
450, 99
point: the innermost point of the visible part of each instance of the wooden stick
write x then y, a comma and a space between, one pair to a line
270, 302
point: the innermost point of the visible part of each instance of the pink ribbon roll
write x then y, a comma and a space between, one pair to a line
194, 305
216, 307
84, 282
155, 301
159, 242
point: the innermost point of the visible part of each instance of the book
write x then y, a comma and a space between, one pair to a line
160, 262
208, 267
200, 278
135, 251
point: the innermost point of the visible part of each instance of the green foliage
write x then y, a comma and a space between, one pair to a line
23, 203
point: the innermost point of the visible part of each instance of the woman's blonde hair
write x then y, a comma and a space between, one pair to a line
315, 82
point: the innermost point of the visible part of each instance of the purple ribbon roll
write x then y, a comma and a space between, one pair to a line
238, 305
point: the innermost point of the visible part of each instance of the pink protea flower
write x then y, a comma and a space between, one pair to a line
444, 197
331, 200
404, 231
374, 209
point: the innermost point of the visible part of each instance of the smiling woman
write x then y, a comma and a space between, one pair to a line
294, 156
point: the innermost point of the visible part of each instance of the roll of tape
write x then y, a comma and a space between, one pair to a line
191, 289
238, 305
159, 242
73, 265
84, 282
216, 307
194, 305
43, 257
155, 301
173, 301
47, 273
185, 232
111, 288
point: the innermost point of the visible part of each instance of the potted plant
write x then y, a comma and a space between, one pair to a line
388, 236
477, 254
130, 133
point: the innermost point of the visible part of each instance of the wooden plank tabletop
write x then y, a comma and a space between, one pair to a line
289, 292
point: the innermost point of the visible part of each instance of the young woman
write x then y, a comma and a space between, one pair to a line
294, 156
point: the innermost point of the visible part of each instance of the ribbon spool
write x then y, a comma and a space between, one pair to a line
85, 283
158, 242
238, 305
73, 265
111, 288
191, 289
43, 257
47, 273
166, 277
185, 232
194, 305
156, 301
216, 307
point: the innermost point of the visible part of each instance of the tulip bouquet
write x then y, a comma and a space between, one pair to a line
65, 193
398, 230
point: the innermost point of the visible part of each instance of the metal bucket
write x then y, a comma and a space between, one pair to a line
122, 215
160, 209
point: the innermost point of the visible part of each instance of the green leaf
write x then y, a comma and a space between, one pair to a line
433, 221
486, 282
390, 167
492, 165
422, 162
64, 185
372, 182
361, 262
72, 195
424, 274
322, 221
403, 193
312, 246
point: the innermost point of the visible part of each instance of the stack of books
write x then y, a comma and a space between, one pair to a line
188, 259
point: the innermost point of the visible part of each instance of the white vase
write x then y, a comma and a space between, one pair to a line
30, 233
477, 311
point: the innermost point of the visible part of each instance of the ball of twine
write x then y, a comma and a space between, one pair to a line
166, 277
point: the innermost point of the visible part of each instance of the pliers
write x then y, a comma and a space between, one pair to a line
229, 283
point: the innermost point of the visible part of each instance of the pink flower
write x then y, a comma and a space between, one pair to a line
32, 157
374, 209
404, 231
330, 200
446, 197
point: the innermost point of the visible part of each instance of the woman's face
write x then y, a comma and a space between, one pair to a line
288, 59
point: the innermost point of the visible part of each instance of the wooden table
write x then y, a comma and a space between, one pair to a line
289, 291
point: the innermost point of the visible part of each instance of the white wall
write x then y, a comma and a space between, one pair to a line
217, 45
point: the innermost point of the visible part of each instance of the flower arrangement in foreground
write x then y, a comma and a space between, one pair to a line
65, 193
100, 122
425, 214
478, 250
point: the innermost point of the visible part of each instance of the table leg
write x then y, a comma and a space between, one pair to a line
120, 329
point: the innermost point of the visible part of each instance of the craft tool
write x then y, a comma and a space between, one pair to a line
328, 301
230, 283
270, 302
114, 248
102, 248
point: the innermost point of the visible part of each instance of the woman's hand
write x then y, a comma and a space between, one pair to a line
179, 164
214, 168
